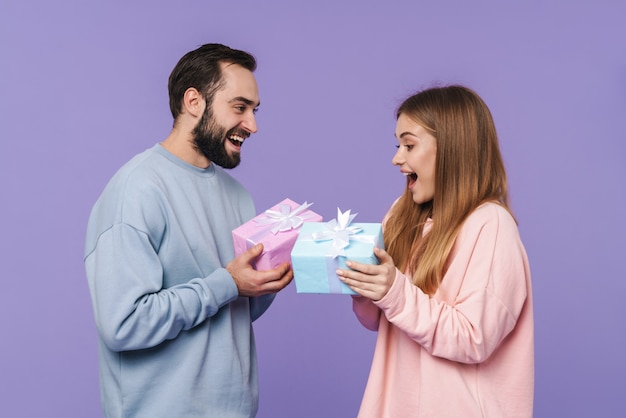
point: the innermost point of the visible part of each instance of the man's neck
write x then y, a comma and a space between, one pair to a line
181, 145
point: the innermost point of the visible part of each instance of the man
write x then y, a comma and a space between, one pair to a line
173, 307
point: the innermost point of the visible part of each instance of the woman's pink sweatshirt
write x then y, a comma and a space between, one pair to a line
467, 351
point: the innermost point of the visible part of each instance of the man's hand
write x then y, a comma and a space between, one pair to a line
251, 282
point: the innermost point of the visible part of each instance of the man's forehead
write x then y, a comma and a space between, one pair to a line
239, 83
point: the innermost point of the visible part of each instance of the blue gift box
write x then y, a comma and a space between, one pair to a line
323, 247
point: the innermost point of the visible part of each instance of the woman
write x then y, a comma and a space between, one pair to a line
451, 299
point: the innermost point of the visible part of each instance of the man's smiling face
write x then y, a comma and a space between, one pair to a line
230, 119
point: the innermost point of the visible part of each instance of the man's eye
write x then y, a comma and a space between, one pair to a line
256, 109
240, 108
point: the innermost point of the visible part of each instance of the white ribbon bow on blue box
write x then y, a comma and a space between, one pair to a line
314, 259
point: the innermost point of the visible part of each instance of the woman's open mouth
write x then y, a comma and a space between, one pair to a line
411, 179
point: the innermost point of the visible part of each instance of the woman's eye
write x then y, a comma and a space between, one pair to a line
409, 147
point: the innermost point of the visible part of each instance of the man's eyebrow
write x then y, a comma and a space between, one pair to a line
245, 100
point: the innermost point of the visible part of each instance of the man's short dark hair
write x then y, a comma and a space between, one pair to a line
201, 70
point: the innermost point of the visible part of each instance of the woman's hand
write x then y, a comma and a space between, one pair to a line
371, 281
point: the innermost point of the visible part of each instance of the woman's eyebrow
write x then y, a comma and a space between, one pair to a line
403, 134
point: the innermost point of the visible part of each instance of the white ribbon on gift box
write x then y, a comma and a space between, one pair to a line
286, 219
276, 222
341, 233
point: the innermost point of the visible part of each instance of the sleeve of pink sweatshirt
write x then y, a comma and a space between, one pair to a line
478, 301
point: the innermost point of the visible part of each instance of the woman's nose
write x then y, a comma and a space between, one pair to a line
397, 159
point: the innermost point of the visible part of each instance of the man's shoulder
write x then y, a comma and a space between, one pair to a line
139, 171
139, 163
128, 180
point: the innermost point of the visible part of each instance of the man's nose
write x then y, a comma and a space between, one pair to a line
249, 124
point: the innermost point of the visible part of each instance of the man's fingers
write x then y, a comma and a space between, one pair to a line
283, 269
281, 273
273, 282
254, 252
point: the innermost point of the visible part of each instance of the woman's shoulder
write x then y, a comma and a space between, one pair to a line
489, 212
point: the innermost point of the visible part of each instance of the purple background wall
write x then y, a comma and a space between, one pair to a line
83, 88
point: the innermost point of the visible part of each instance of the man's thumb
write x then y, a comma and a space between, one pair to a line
255, 251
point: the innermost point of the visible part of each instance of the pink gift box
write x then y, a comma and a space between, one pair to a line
277, 228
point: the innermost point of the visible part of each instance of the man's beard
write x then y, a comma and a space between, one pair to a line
209, 137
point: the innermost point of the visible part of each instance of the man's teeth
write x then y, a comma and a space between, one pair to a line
236, 138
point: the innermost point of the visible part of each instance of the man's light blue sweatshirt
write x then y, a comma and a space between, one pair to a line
175, 339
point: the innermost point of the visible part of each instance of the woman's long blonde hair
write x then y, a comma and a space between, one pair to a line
469, 171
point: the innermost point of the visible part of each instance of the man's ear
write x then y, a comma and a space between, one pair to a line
193, 102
